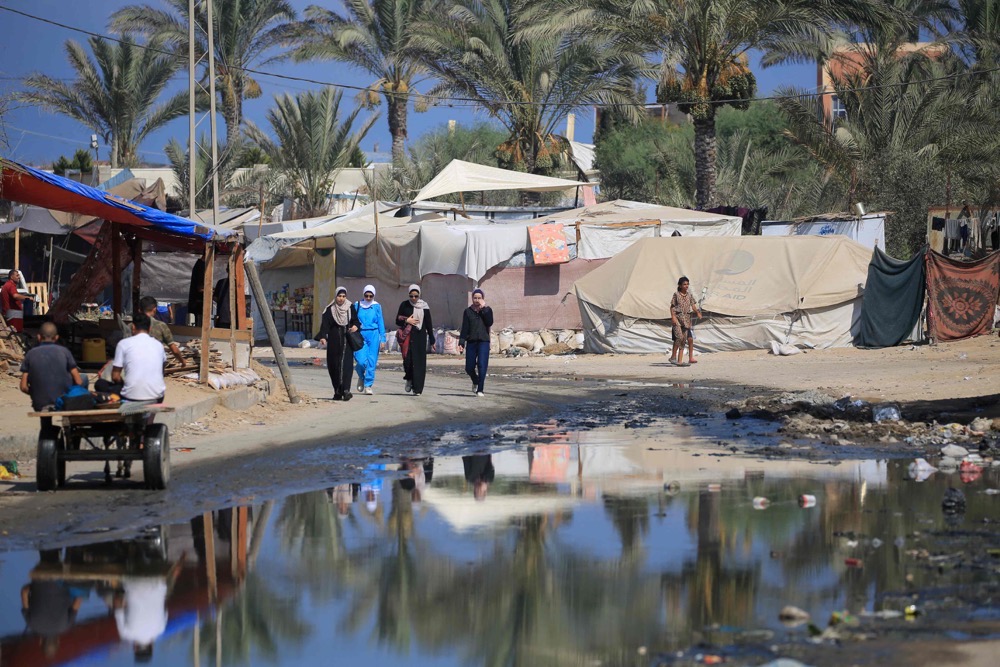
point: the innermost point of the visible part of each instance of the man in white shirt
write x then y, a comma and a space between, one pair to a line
141, 357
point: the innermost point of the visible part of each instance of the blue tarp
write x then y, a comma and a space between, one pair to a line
32, 186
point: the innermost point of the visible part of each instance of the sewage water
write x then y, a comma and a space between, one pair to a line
606, 546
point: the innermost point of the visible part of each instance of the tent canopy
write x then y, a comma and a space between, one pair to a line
27, 185
735, 276
460, 176
622, 211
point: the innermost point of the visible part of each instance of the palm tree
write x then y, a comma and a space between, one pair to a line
704, 47
180, 164
313, 141
376, 36
246, 34
527, 70
114, 95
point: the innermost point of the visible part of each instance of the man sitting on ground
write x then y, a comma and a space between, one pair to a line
141, 358
158, 329
48, 370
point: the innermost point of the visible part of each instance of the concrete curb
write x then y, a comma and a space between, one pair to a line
21, 445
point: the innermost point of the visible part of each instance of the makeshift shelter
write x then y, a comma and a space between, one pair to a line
893, 300
868, 229
460, 176
803, 290
120, 242
604, 230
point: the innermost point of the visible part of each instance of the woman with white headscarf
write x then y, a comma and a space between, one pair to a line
373, 331
339, 318
415, 335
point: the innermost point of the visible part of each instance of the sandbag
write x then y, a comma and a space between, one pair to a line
567, 336
494, 343
784, 350
391, 344
450, 345
548, 338
579, 340
524, 340
557, 348
537, 346
505, 339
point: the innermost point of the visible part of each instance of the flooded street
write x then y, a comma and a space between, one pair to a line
539, 545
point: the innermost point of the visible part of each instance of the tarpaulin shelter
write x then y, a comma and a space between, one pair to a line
604, 230
460, 176
961, 296
868, 229
121, 240
799, 290
893, 300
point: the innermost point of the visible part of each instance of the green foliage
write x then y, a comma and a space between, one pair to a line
907, 185
649, 162
251, 156
313, 140
81, 161
115, 94
763, 124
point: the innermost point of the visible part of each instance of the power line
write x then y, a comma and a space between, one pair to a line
474, 101
69, 139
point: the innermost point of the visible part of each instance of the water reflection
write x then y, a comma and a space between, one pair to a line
577, 549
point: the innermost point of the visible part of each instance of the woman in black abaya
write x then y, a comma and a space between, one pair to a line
415, 335
339, 318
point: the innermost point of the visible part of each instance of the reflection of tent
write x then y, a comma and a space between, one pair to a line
802, 290
463, 512
461, 176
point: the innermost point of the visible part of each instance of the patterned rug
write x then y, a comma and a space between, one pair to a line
962, 296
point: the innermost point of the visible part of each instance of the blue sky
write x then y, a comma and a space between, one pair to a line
38, 137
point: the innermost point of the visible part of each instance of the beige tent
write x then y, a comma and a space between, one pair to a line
461, 176
802, 290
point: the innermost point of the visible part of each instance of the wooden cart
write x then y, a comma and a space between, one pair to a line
107, 434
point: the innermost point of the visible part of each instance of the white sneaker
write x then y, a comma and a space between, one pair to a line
480, 394
368, 391
417, 393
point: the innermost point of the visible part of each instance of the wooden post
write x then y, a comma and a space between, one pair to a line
241, 290
48, 281
259, 528
213, 588
116, 269
136, 273
242, 514
232, 306
272, 332
206, 312
17, 249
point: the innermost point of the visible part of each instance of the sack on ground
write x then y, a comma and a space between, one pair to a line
784, 350
537, 346
548, 338
524, 340
505, 339
391, 342
450, 343
494, 343
567, 336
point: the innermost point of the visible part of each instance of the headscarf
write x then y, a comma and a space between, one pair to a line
341, 313
419, 307
364, 303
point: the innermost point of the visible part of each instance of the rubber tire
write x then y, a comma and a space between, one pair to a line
47, 469
156, 457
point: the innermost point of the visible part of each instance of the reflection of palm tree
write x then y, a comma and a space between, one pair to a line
257, 621
630, 516
312, 533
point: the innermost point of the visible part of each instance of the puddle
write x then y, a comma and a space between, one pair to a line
541, 545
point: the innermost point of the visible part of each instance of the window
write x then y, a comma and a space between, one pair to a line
837, 109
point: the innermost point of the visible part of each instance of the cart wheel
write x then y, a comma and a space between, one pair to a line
156, 456
47, 470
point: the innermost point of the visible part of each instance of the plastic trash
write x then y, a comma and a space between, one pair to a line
807, 500
886, 412
876, 543
954, 451
714, 488
793, 615
953, 501
920, 470
761, 503
782, 350
853, 562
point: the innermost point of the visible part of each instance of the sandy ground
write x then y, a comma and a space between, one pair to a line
228, 455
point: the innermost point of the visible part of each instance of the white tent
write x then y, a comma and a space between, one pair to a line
608, 228
460, 176
868, 230
803, 290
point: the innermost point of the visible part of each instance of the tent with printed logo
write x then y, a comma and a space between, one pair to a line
801, 290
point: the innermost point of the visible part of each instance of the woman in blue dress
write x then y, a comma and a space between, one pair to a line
373, 331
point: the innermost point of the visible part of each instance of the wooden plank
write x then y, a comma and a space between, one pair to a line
41, 293
107, 326
150, 409
232, 308
241, 290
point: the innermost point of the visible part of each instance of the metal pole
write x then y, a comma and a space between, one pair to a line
192, 95
212, 118
272, 332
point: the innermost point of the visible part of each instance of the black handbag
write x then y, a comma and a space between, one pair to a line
355, 340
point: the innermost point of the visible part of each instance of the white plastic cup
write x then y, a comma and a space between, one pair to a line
806, 500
